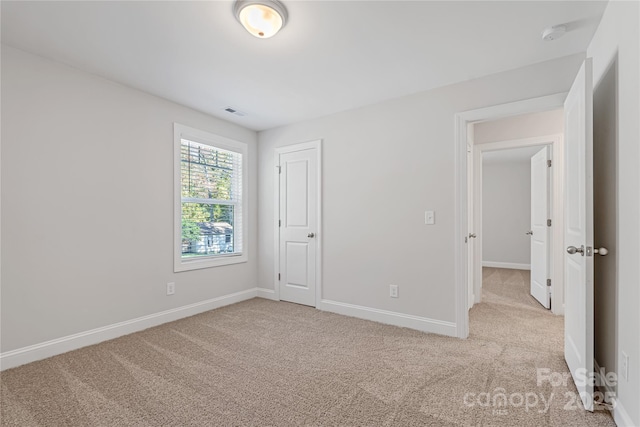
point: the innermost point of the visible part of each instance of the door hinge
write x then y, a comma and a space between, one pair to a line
549, 163
548, 223
279, 223
278, 277
549, 282
279, 169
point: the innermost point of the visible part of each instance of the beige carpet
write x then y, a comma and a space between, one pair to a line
264, 363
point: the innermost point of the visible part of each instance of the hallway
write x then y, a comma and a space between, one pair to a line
532, 353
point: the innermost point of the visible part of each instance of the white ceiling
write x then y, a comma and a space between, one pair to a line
332, 55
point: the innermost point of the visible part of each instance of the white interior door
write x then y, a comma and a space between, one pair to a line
578, 335
539, 231
471, 255
298, 225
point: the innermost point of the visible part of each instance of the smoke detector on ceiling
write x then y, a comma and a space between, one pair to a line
553, 33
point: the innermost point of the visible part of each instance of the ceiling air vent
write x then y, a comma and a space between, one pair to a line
235, 111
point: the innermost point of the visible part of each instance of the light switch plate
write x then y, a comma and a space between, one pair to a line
429, 217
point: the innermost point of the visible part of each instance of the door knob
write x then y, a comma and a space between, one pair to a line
529, 233
573, 250
311, 235
601, 251
472, 235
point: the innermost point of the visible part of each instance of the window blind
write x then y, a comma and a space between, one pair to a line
211, 196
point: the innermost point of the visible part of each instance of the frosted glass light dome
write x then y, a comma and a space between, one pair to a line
261, 18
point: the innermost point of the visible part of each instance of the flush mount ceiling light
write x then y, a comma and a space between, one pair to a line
262, 18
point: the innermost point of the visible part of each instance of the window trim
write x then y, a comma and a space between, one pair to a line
196, 135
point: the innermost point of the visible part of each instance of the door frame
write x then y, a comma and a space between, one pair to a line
462, 120
556, 237
317, 145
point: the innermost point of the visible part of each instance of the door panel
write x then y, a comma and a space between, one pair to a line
298, 203
579, 335
297, 265
539, 228
297, 192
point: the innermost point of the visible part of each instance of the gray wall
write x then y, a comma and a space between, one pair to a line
506, 211
87, 203
618, 40
384, 165
605, 189
519, 127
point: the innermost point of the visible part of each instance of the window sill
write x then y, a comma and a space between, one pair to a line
197, 264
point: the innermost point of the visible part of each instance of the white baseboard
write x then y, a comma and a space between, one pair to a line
510, 265
267, 294
21, 356
620, 415
390, 317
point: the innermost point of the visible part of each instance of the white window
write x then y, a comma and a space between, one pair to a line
210, 177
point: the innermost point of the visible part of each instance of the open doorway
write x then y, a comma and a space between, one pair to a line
575, 229
516, 204
467, 261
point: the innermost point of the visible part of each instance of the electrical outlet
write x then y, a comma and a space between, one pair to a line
624, 369
393, 291
171, 288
